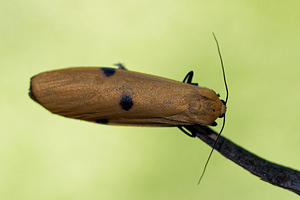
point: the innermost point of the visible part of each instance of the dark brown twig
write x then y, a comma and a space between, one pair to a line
268, 171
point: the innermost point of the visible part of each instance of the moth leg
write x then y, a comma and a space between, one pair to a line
187, 133
120, 66
214, 124
189, 78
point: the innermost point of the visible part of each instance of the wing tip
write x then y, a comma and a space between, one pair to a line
31, 93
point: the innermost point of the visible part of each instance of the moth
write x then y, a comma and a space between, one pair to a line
121, 97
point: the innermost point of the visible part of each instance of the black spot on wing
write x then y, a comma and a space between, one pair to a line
102, 121
108, 71
126, 102
31, 92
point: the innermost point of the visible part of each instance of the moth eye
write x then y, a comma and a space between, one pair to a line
213, 110
223, 101
218, 95
221, 116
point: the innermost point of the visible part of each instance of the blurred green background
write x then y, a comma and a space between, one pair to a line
45, 156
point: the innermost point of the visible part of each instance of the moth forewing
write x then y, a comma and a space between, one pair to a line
121, 97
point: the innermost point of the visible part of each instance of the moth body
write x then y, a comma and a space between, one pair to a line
121, 97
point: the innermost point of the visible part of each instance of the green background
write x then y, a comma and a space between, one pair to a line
44, 156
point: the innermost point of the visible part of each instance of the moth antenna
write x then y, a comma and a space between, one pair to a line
226, 87
210, 154
222, 65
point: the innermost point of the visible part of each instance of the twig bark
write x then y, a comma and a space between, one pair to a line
268, 171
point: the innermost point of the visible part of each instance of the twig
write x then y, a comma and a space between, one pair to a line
268, 171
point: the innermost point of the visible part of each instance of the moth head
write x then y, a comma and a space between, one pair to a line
207, 107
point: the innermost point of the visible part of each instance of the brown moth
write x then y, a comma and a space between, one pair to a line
120, 97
